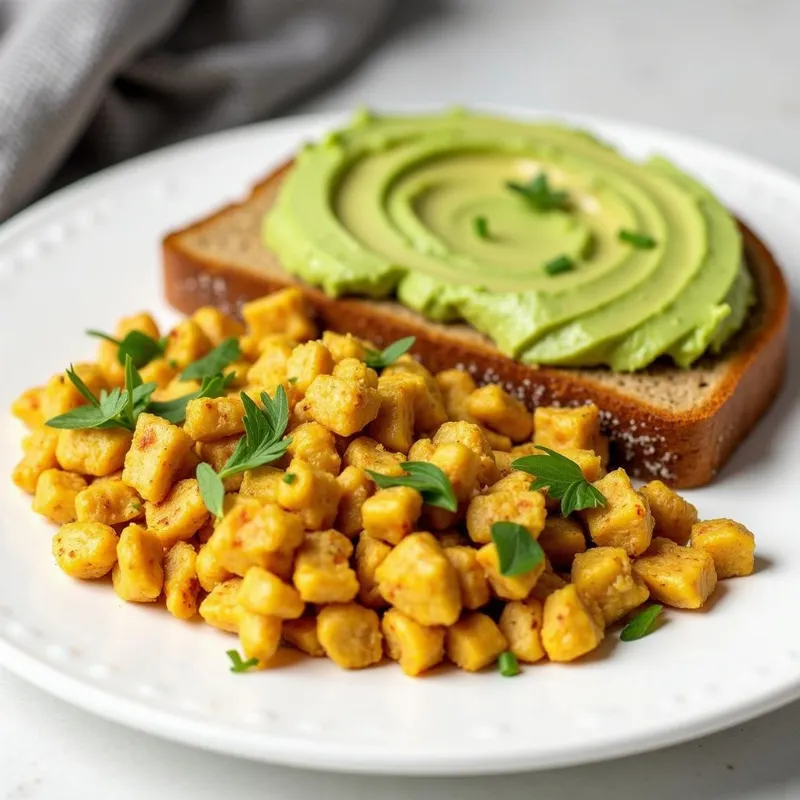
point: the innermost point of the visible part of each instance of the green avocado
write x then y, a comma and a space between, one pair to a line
420, 208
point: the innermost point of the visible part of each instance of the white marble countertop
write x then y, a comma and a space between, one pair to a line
725, 70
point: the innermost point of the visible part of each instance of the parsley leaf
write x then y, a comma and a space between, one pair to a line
214, 362
211, 488
139, 346
641, 624
427, 479
378, 359
641, 241
507, 664
481, 227
558, 265
539, 194
237, 664
174, 411
562, 478
517, 551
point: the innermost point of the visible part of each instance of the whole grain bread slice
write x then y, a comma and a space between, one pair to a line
664, 422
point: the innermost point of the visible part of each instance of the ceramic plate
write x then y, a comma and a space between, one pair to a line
90, 254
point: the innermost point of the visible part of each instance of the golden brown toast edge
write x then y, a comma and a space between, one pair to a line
684, 449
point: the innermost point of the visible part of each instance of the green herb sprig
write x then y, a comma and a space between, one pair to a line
427, 479
174, 411
517, 551
238, 664
214, 362
641, 241
538, 193
262, 443
641, 624
378, 359
139, 346
562, 478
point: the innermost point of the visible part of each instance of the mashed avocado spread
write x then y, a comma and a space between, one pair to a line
542, 237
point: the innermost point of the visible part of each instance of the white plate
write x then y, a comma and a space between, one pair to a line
90, 254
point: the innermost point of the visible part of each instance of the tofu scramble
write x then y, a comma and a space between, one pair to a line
383, 512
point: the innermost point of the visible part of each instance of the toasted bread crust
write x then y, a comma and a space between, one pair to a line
683, 447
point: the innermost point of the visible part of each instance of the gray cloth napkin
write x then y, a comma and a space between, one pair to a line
86, 83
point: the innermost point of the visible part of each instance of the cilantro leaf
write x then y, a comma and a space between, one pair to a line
211, 488
174, 411
538, 193
237, 664
562, 478
517, 551
427, 479
641, 241
214, 362
139, 346
378, 359
641, 624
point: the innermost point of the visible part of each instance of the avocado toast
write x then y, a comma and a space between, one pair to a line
666, 421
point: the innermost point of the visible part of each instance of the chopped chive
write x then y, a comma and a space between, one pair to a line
289, 477
507, 664
293, 380
558, 265
481, 226
641, 241
238, 664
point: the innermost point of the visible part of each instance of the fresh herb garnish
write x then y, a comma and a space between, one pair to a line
139, 346
262, 443
562, 478
289, 478
378, 359
214, 362
558, 265
539, 194
517, 551
507, 664
119, 408
641, 624
174, 411
641, 241
481, 227
237, 664
427, 479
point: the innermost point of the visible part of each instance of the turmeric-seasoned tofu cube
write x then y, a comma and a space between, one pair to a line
673, 515
60, 394
209, 419
562, 539
625, 521
429, 411
474, 642
471, 575
521, 506
286, 312
160, 371
307, 361
179, 515
422, 450
497, 441
270, 367
302, 634
729, 543
605, 575
181, 586
461, 466
367, 454
186, 343
138, 575
110, 501
174, 389
264, 593
262, 483
572, 625
28, 407
39, 455
591, 464
322, 572
470, 435
210, 571
452, 538
221, 608
93, 451
508, 587
558, 428
155, 457
683, 577
548, 582
515, 481
415, 647
503, 461
217, 454
501, 412
521, 623
356, 487
394, 425
260, 636
370, 554
108, 353
391, 514
350, 635
312, 494
85, 550
343, 346
216, 325
315, 445
418, 579
343, 407
456, 386
356, 371
55, 495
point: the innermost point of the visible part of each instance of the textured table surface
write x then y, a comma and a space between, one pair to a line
724, 70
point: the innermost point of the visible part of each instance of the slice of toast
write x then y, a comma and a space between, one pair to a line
669, 423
